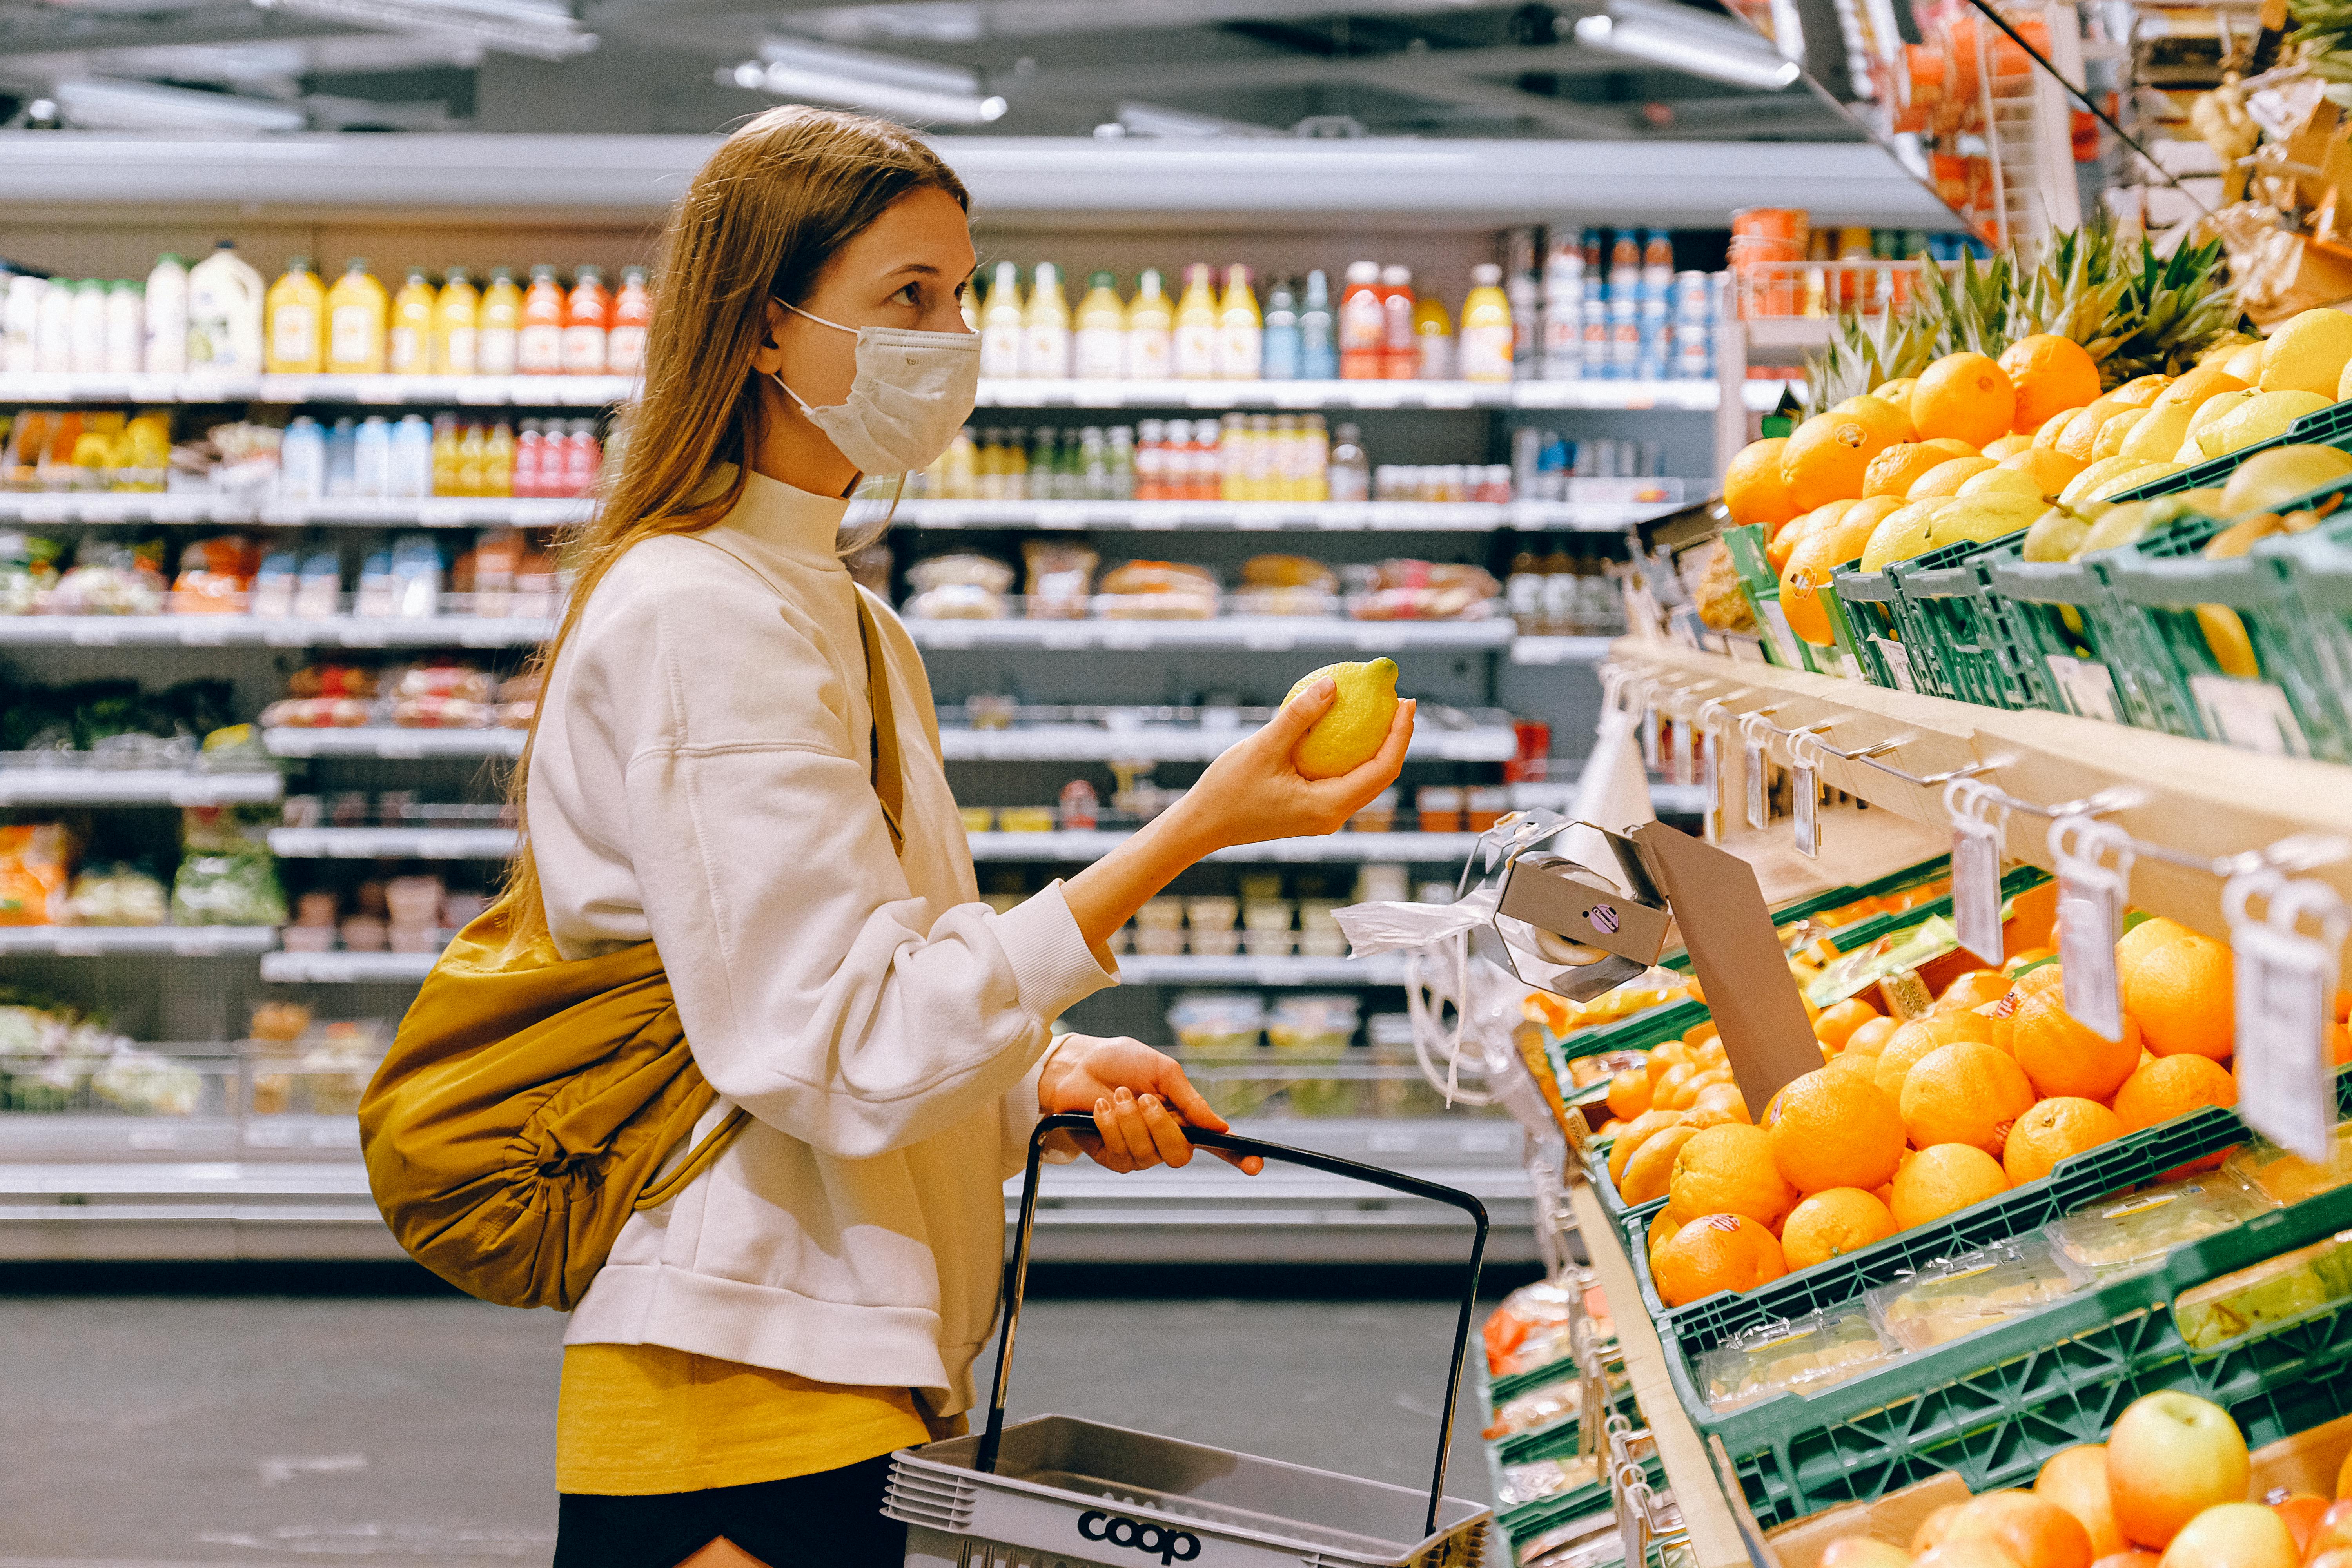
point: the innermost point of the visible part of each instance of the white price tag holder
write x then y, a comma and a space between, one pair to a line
1680, 763
1979, 827
1712, 720
1753, 741
2285, 987
1645, 695
2091, 899
1805, 793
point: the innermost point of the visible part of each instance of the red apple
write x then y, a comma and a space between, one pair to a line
2333, 1531
2077, 1480
2302, 1512
2172, 1457
2233, 1535
1864, 1552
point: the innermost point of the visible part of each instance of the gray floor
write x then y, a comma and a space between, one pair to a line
264, 1430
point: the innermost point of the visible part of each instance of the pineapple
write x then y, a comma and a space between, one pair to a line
1866, 352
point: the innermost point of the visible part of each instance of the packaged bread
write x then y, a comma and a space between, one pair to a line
1061, 579
960, 587
1288, 572
1408, 590
1158, 590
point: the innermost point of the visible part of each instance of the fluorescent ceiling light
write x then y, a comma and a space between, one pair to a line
973, 21
1152, 120
100, 103
510, 26
1695, 43
886, 84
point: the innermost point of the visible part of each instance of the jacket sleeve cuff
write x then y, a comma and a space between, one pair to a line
1050, 959
1022, 1114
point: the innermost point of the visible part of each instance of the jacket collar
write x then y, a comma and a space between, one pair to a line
790, 523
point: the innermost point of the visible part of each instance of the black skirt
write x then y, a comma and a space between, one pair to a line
830, 1520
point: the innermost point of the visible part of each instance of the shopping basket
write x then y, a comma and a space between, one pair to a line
1055, 1491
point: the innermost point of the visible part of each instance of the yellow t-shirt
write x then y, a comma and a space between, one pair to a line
637, 1420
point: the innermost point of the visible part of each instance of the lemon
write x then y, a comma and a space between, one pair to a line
1998, 481
1983, 517
2267, 480
1347, 737
1946, 478
2131, 480
2056, 534
2257, 420
2158, 434
2109, 442
2198, 444
1903, 533
2141, 391
2097, 474
2245, 365
2307, 354
2195, 387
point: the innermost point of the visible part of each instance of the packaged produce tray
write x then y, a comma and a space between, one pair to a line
1994, 1405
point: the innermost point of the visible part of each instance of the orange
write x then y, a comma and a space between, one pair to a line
1753, 489
1663, 1092
1897, 391
2052, 1130
1784, 543
1628, 1141
1964, 1093
1863, 1551
1832, 1223
1806, 569
1729, 1170
1716, 1252
2141, 391
1911, 1042
1947, 477
1944, 1179
1652, 1166
2180, 985
2081, 433
1837, 1023
2048, 470
2034, 1531
2049, 976
1723, 1099
1628, 1093
1897, 467
2046, 433
1834, 1130
1826, 458
2172, 1086
2076, 1479
1879, 413
1871, 1037
1973, 989
1663, 1228
1966, 396
2063, 1055
2049, 373
2008, 445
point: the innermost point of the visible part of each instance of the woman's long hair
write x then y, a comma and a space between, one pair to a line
762, 219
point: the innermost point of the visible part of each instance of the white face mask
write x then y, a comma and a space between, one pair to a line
912, 393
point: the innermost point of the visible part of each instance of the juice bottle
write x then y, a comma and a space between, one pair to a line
498, 460
632, 312
539, 343
1363, 326
1432, 336
1045, 328
1316, 457
297, 311
1278, 359
444, 454
585, 457
1002, 325
1241, 331
528, 451
1100, 348
498, 339
1399, 357
357, 309
587, 317
1150, 330
225, 311
167, 317
1318, 343
1487, 327
1195, 341
411, 349
457, 323
470, 446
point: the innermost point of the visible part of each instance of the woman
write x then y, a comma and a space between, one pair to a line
709, 770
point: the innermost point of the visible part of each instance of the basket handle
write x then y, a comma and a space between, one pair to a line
984, 1459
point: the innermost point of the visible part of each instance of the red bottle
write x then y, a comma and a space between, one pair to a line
633, 311
585, 457
1363, 324
529, 447
587, 316
540, 345
1400, 348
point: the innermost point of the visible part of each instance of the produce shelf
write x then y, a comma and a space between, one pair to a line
1135, 969
1257, 634
1412, 848
1339, 517
1184, 743
101, 942
259, 631
137, 786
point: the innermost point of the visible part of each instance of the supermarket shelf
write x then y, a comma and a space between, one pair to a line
104, 507
2197, 798
399, 968
1260, 634
392, 843
99, 942
347, 968
1183, 743
385, 391
136, 786
261, 631
1559, 650
1074, 847
384, 741
1352, 517
133, 1188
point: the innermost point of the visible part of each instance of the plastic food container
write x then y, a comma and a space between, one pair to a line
414, 937
1026, 819
1485, 805
362, 933
414, 902
1268, 943
1316, 1023
1153, 942
1217, 1020
2285, 1178
2125, 1235
1318, 914
1800, 1355
1213, 913
1980, 1290
2274, 1291
1161, 914
1268, 914
1379, 884
1377, 815
1322, 944
977, 818
308, 938
1214, 943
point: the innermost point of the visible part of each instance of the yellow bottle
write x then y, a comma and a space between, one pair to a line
1432, 334
1150, 330
498, 461
454, 317
1003, 324
410, 351
295, 308
498, 341
357, 312
1045, 328
1197, 320
1099, 350
444, 454
471, 447
1485, 348
1241, 330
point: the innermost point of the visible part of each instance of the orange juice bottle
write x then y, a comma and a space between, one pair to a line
357, 312
587, 317
296, 311
632, 312
1197, 320
410, 352
1487, 327
498, 460
499, 341
538, 349
457, 316
1241, 328
470, 449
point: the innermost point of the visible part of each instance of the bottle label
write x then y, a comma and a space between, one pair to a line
625, 350
1487, 353
406, 355
294, 335
1150, 354
458, 353
1364, 325
1045, 352
1098, 353
1195, 352
583, 351
1000, 351
350, 335
1240, 349
539, 349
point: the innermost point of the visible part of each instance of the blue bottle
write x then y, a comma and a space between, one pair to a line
1279, 359
302, 460
1318, 345
343, 452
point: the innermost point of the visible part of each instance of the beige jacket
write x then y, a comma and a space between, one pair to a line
701, 778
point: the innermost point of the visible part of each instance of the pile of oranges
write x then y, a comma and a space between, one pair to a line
1910, 1121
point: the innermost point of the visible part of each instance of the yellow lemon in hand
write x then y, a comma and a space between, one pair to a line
1347, 737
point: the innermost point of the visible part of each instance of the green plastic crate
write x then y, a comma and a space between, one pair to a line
2319, 571
1945, 604
2066, 618
1746, 545
2329, 427
1863, 604
1993, 1407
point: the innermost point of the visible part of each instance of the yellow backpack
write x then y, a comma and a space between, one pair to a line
528, 1102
